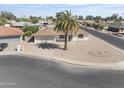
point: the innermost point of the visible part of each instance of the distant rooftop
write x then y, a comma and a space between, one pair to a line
20, 24
119, 26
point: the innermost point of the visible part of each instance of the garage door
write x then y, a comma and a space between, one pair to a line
47, 39
9, 39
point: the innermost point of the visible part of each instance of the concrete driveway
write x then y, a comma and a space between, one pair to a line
20, 71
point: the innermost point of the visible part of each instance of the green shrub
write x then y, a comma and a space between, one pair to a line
28, 33
3, 21
29, 30
89, 24
35, 20
101, 27
96, 26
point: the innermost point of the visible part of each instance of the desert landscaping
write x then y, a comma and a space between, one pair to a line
93, 50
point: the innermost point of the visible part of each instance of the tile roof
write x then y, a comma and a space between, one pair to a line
9, 31
44, 32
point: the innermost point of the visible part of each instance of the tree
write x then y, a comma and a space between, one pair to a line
66, 23
49, 18
80, 18
29, 30
7, 15
34, 19
58, 15
114, 16
98, 18
22, 19
120, 18
3, 21
108, 18
89, 17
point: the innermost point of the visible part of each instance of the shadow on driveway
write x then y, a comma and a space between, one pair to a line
48, 46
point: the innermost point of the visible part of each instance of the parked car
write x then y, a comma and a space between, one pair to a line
3, 46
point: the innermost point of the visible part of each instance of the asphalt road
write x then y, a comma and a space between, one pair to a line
118, 42
25, 72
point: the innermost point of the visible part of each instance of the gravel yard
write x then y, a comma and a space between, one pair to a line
92, 50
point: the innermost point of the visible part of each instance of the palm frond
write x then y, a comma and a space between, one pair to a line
66, 22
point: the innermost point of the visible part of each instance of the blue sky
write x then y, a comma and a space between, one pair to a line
49, 10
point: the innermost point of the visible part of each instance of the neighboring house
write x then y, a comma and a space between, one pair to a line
49, 35
9, 34
116, 28
22, 24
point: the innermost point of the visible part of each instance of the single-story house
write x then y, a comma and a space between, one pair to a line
9, 34
19, 24
49, 35
116, 28
22, 24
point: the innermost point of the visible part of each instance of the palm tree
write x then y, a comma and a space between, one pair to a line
66, 23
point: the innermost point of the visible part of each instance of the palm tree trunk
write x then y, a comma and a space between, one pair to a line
66, 38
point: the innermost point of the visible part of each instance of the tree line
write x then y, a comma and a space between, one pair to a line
5, 15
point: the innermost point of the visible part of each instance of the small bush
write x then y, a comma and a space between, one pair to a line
96, 26
29, 30
101, 27
28, 33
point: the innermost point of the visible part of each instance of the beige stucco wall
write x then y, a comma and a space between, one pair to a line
53, 39
44, 39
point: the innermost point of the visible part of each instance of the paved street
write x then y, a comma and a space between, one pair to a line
108, 38
20, 71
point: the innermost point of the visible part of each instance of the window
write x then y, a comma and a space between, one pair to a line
61, 36
80, 36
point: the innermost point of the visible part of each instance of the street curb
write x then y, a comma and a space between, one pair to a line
81, 65
65, 62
